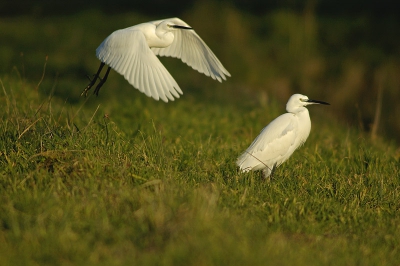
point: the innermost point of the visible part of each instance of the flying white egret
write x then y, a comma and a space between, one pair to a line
280, 138
132, 53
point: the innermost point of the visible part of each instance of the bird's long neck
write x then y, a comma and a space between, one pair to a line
156, 36
305, 123
162, 38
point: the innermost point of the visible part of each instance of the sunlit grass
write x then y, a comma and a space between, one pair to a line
156, 183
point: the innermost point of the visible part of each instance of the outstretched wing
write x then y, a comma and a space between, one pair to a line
275, 143
192, 50
127, 52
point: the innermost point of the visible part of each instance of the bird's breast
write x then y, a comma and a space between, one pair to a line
304, 126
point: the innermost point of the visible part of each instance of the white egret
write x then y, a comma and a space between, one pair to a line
132, 53
279, 139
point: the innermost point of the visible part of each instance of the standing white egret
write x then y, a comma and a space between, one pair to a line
279, 139
132, 53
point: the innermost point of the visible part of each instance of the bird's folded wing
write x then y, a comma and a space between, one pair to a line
192, 50
127, 52
273, 143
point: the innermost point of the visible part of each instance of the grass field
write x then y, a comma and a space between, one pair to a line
121, 179
102, 184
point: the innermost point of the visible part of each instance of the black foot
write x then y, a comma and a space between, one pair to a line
93, 81
90, 85
102, 81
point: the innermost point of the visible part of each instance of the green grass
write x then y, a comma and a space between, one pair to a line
98, 183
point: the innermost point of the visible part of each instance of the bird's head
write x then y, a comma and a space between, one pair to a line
168, 25
297, 102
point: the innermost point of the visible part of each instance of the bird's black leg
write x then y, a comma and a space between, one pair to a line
273, 171
268, 173
93, 81
102, 81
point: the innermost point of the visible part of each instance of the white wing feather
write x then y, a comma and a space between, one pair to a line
276, 142
192, 50
127, 52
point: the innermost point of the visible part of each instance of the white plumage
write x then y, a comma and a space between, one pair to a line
279, 139
132, 53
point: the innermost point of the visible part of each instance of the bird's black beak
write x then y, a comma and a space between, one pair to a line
181, 27
317, 102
